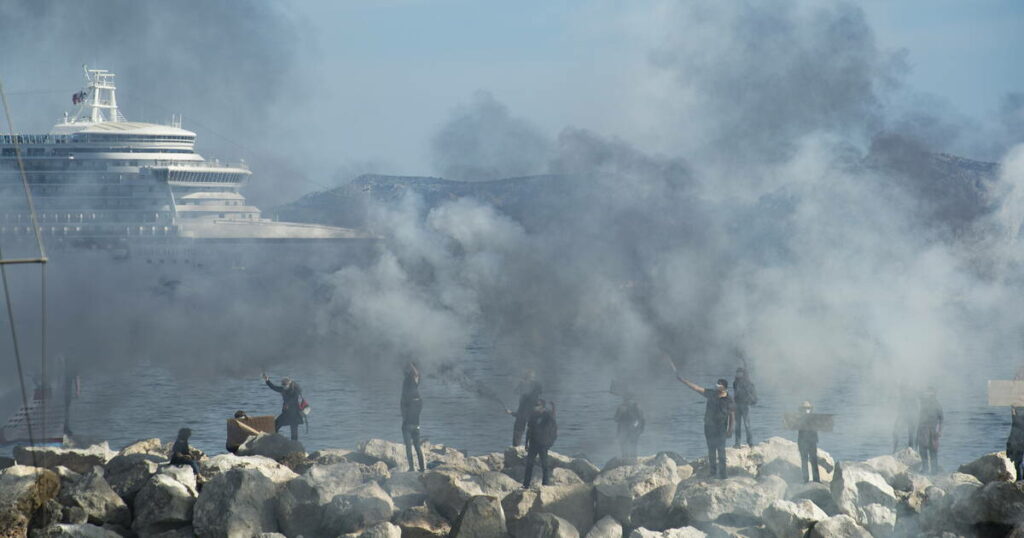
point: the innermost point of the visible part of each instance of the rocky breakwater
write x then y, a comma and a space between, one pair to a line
272, 487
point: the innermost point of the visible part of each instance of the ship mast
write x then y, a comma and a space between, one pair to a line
99, 99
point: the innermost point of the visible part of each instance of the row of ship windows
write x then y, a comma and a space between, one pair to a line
107, 230
23, 218
79, 137
39, 152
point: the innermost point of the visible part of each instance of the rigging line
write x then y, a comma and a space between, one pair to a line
24, 178
17, 358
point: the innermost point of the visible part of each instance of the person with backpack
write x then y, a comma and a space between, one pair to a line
745, 396
291, 405
541, 432
630, 421
719, 419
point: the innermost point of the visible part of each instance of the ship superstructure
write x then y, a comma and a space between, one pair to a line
99, 180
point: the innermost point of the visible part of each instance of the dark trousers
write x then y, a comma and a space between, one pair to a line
532, 452
743, 421
278, 424
190, 462
518, 428
809, 456
928, 447
411, 436
627, 443
716, 451
1017, 457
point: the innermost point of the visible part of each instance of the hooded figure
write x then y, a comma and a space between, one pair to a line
181, 453
529, 394
541, 432
291, 413
412, 405
929, 430
807, 443
745, 394
629, 419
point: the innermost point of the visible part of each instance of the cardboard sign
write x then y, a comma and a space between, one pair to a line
1006, 393
798, 420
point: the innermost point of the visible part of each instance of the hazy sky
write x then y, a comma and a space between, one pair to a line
391, 71
316, 91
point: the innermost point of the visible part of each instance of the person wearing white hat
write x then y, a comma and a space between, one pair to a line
807, 442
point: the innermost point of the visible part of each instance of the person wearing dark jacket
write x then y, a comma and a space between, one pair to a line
1015, 443
629, 419
291, 413
719, 418
541, 432
529, 394
412, 405
745, 395
929, 430
181, 453
807, 443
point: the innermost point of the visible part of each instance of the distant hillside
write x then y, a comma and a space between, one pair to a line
951, 190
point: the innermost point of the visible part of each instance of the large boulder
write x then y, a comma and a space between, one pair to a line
841, 526
998, 503
80, 460
421, 522
908, 457
738, 501
448, 491
786, 518
856, 485
481, 517
816, 492
406, 489
774, 456
606, 527
23, 490
991, 468
877, 519
638, 495
127, 473
98, 501
239, 502
573, 503
222, 463
887, 466
384, 529
272, 445
391, 453
165, 503
682, 532
515, 457
68, 530
302, 501
152, 447
545, 525
357, 509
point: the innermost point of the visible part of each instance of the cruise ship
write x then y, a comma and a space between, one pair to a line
99, 181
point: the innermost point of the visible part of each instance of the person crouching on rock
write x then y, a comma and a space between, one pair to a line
807, 442
291, 413
719, 418
541, 432
181, 453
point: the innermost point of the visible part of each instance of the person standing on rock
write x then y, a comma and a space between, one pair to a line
541, 432
629, 419
412, 405
291, 412
807, 443
1015, 443
529, 394
719, 418
929, 429
181, 453
745, 395
905, 422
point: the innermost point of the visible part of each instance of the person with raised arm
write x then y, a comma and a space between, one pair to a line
291, 410
719, 418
